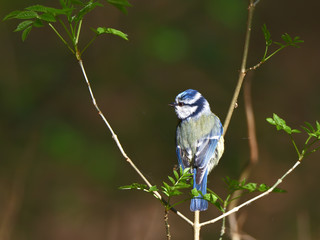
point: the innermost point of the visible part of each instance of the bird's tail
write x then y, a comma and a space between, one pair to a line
198, 203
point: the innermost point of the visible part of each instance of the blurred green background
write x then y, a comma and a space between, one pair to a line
60, 169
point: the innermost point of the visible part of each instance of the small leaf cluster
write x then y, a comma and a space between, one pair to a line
310, 143
69, 16
36, 16
249, 187
181, 179
211, 197
287, 41
281, 124
178, 182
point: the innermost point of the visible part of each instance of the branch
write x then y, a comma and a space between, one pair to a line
115, 138
166, 213
196, 225
243, 71
253, 199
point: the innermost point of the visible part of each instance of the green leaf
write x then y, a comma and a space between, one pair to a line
120, 4
176, 174
279, 190
251, 187
38, 23
287, 129
267, 35
271, 121
86, 9
25, 33
186, 171
175, 193
296, 131
11, 15
281, 124
172, 180
104, 30
38, 8
48, 17
26, 15
153, 188
23, 25
194, 192
309, 126
181, 185
166, 186
297, 40
263, 187
53, 11
212, 198
287, 38
306, 129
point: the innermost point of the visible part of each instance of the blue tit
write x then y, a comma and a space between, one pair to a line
199, 140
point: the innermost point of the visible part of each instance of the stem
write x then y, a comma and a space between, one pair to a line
196, 225
275, 52
78, 32
309, 145
166, 213
223, 227
61, 38
265, 53
115, 138
65, 28
235, 209
243, 71
295, 147
264, 59
72, 33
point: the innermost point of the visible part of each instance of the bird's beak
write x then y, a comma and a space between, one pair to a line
172, 104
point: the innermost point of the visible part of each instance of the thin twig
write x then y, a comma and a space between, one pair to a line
61, 38
223, 228
166, 213
243, 71
235, 209
78, 32
115, 138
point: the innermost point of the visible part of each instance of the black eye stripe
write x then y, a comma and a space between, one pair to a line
199, 102
181, 104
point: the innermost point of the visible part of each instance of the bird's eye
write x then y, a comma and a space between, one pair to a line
180, 104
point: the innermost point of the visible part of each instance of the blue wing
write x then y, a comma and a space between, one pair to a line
205, 150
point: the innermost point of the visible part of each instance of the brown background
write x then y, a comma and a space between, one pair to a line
60, 169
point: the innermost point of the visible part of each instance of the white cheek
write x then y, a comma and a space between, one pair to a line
185, 111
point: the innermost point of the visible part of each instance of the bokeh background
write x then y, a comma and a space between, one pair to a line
60, 169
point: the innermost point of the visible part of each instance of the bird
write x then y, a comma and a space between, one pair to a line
199, 141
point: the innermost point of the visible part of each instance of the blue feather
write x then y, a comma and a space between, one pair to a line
198, 203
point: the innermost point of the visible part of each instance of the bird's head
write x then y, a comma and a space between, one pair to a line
190, 103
